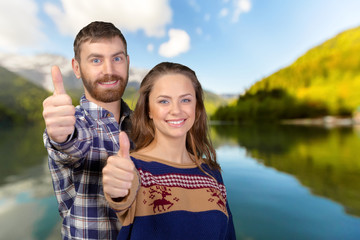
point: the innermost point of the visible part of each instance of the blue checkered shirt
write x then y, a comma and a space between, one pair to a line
76, 171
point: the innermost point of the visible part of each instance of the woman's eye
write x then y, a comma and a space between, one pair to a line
163, 101
186, 100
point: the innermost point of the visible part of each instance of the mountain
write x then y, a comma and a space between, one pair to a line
20, 100
26, 82
37, 69
328, 73
324, 81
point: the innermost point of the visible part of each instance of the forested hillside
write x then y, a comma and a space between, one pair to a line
324, 81
20, 100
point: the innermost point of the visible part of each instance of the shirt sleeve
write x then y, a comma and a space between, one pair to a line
125, 208
75, 148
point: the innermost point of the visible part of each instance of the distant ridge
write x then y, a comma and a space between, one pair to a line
324, 81
20, 100
328, 73
37, 69
26, 82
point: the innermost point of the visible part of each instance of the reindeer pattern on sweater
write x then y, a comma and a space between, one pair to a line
174, 201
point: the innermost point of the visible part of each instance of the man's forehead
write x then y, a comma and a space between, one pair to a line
112, 40
103, 45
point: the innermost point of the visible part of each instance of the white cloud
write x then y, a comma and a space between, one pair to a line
151, 16
179, 42
19, 25
150, 47
224, 12
241, 6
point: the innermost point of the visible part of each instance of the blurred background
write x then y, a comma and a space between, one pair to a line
282, 84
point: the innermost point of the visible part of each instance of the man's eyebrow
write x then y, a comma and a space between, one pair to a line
94, 55
118, 53
98, 55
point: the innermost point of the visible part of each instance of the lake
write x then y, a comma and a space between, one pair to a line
283, 182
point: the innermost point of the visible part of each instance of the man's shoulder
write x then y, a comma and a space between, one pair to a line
125, 109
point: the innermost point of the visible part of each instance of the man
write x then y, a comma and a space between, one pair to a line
79, 140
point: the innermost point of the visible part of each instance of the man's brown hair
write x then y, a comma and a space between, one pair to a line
94, 32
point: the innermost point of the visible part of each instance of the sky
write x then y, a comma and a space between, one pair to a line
230, 44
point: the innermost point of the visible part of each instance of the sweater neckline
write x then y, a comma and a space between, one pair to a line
147, 158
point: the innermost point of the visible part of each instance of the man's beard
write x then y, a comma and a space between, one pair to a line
105, 95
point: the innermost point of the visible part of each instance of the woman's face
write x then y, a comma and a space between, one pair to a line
172, 103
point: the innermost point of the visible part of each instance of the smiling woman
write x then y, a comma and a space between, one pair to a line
172, 103
172, 176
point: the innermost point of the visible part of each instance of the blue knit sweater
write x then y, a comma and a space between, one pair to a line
174, 201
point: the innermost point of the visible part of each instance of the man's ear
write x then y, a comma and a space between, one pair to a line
76, 68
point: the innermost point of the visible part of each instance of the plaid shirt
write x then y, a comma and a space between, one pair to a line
76, 171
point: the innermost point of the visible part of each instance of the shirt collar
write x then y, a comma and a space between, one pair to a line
98, 112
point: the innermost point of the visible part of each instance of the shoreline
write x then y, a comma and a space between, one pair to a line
327, 121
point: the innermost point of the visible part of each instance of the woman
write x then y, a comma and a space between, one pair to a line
172, 187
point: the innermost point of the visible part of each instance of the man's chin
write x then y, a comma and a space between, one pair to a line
107, 96
108, 99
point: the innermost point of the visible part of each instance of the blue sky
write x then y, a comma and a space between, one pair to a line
230, 44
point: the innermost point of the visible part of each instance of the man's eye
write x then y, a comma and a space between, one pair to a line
96, 60
118, 59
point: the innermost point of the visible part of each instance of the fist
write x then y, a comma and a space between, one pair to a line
118, 173
58, 111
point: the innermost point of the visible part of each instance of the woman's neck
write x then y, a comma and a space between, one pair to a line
172, 150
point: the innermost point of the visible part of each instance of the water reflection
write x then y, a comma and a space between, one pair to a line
267, 204
21, 149
265, 169
324, 160
28, 208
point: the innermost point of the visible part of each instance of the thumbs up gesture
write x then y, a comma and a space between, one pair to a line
58, 111
118, 173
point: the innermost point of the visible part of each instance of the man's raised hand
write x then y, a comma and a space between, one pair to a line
118, 173
58, 111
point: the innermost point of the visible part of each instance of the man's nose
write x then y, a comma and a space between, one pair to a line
108, 67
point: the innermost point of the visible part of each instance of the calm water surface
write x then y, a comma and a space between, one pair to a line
283, 182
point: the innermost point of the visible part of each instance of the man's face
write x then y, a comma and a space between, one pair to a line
104, 69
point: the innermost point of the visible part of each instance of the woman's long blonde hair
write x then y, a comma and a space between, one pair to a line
198, 142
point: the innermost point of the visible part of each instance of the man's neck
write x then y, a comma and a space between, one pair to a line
113, 107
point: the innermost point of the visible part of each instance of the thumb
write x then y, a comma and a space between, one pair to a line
57, 81
124, 145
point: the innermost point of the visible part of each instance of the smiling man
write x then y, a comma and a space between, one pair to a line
80, 139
